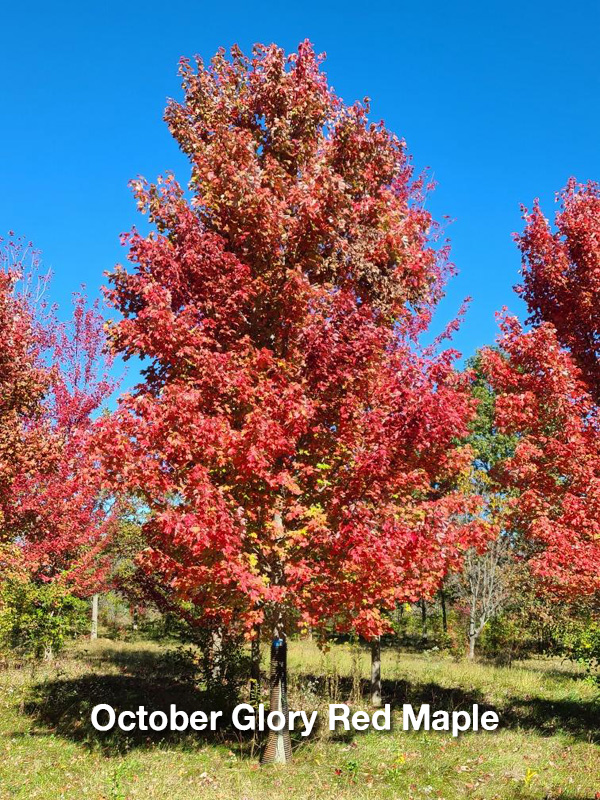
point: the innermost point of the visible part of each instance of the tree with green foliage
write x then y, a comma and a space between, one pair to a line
36, 618
483, 584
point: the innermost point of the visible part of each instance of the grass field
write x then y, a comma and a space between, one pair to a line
548, 744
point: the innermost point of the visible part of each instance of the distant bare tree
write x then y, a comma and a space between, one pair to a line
484, 585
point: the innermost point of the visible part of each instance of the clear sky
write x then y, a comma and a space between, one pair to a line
499, 99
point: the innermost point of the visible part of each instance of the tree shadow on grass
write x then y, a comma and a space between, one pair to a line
64, 707
579, 719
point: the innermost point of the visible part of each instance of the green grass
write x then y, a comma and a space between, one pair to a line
547, 745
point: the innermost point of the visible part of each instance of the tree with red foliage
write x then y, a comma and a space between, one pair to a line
67, 521
561, 275
23, 382
556, 465
292, 443
548, 380
53, 522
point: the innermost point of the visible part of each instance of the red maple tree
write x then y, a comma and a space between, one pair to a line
561, 275
23, 380
294, 447
548, 380
53, 523
555, 469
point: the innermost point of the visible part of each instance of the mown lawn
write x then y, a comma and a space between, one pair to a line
548, 745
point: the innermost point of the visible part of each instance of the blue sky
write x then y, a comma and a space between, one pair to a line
500, 100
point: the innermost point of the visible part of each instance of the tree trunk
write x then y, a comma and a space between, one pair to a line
279, 745
255, 669
217, 655
376, 671
94, 630
472, 640
424, 633
472, 627
444, 615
